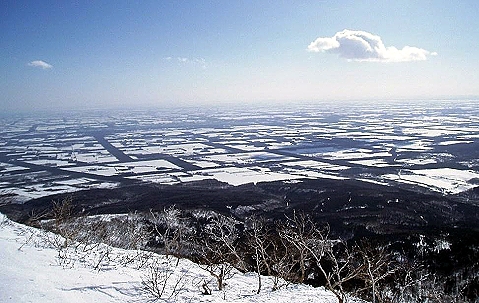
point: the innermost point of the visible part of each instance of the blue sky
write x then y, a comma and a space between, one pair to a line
94, 54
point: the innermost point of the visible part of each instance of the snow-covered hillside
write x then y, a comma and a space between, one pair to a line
31, 270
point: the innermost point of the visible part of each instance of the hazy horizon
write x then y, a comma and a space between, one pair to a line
258, 107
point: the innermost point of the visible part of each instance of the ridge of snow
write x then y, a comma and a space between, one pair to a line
31, 271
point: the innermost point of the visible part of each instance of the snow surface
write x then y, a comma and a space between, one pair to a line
32, 272
238, 175
446, 180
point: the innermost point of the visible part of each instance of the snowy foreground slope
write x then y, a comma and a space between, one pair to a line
32, 271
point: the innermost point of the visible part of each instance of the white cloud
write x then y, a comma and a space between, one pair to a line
364, 46
185, 60
41, 64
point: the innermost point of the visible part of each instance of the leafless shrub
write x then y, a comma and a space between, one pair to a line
35, 218
89, 240
170, 230
4, 220
162, 279
62, 210
123, 231
139, 260
206, 289
6, 197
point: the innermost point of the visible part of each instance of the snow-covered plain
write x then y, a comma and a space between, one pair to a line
31, 271
447, 180
244, 145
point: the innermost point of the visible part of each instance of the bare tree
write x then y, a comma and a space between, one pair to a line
261, 239
307, 244
218, 252
283, 264
224, 233
408, 281
169, 229
298, 234
336, 262
345, 265
378, 264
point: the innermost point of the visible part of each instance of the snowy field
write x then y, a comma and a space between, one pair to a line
401, 143
447, 180
32, 271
